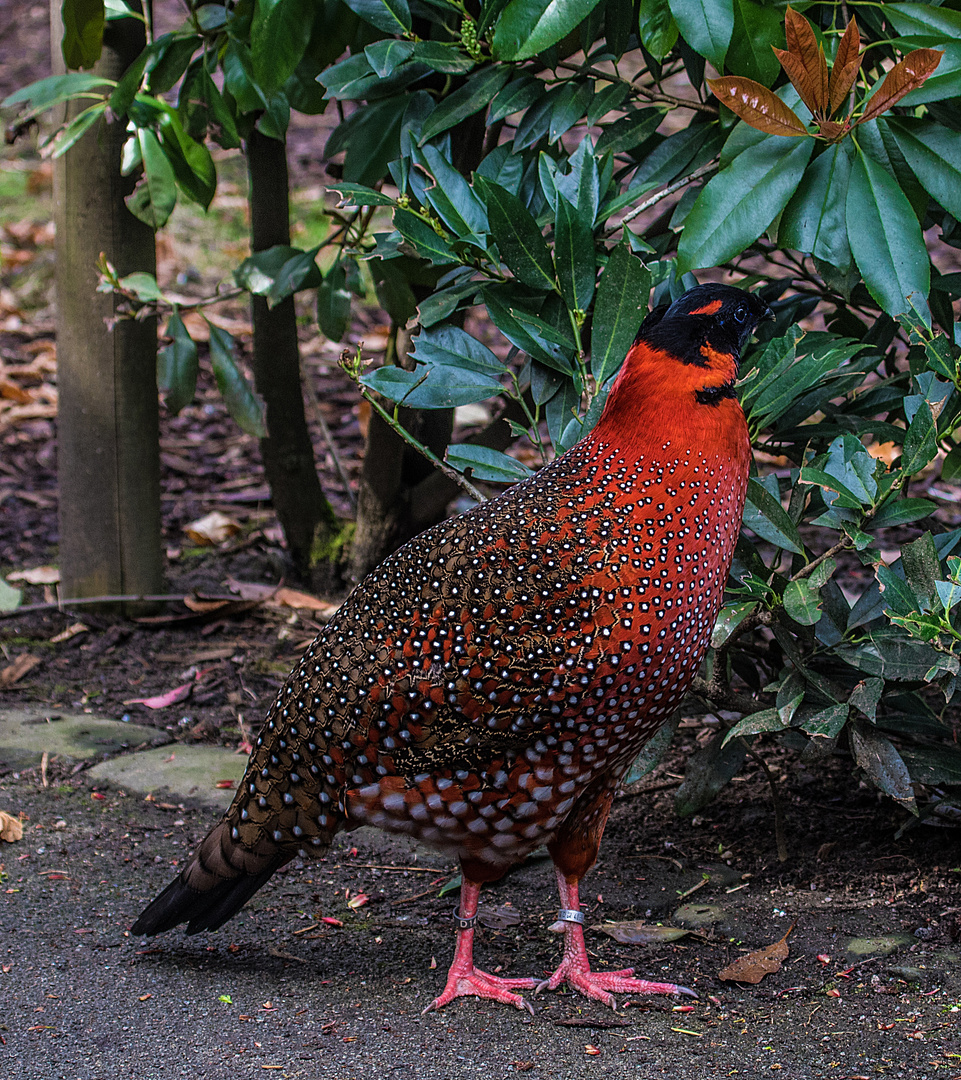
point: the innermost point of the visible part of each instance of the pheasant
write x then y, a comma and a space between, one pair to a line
485, 689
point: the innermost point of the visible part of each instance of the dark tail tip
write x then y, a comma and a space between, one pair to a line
207, 910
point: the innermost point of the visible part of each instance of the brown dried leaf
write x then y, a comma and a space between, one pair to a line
285, 597
36, 575
757, 106
639, 932
14, 672
904, 77
11, 828
804, 45
498, 918
847, 63
753, 967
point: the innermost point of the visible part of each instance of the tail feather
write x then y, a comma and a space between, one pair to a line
220, 878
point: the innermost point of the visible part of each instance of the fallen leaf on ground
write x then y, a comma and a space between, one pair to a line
639, 932
212, 529
14, 672
11, 828
498, 918
281, 596
753, 967
161, 701
36, 575
70, 632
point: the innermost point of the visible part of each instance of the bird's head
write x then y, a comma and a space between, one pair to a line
680, 373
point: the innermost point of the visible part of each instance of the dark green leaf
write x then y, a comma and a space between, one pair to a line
438, 56
278, 37
258, 273
827, 723
454, 199
883, 764
423, 238
802, 601
503, 313
300, 271
903, 512
934, 153
333, 303
731, 617
920, 442
155, 195
77, 128
764, 515
517, 95
568, 105
453, 347
757, 26
574, 256
168, 61
177, 366
621, 305
468, 99
708, 770
706, 25
391, 16
657, 28
922, 568
242, 403
192, 164
740, 202
358, 195
815, 220
486, 464
519, 240
886, 240
629, 132
426, 388
758, 723
83, 22
528, 27
384, 56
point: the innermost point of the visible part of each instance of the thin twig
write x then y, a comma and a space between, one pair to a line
779, 832
57, 605
805, 571
643, 91
331, 445
710, 167
450, 473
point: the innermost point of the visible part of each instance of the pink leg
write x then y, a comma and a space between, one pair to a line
463, 979
575, 968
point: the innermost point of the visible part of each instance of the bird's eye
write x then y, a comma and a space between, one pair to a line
740, 313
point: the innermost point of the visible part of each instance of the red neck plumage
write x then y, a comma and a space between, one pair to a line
654, 401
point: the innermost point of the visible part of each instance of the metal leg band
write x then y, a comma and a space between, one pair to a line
462, 923
567, 915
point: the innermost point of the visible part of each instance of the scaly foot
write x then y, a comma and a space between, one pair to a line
463, 981
599, 984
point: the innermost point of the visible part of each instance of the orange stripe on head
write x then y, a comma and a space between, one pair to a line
709, 309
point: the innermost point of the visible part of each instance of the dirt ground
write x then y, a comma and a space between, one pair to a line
279, 988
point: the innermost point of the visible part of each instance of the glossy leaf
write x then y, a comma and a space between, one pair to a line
391, 16
629, 132
528, 27
810, 71
574, 256
757, 28
359, 195
278, 37
487, 464
177, 366
934, 153
466, 100
740, 202
910, 74
451, 346
657, 28
242, 402
386, 55
154, 197
707, 26
815, 220
757, 106
886, 240
431, 388
453, 198
620, 308
764, 515
519, 240
424, 239
827, 723
920, 442
847, 63
802, 602
55, 89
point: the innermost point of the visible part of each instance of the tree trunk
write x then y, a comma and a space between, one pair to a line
307, 518
108, 426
